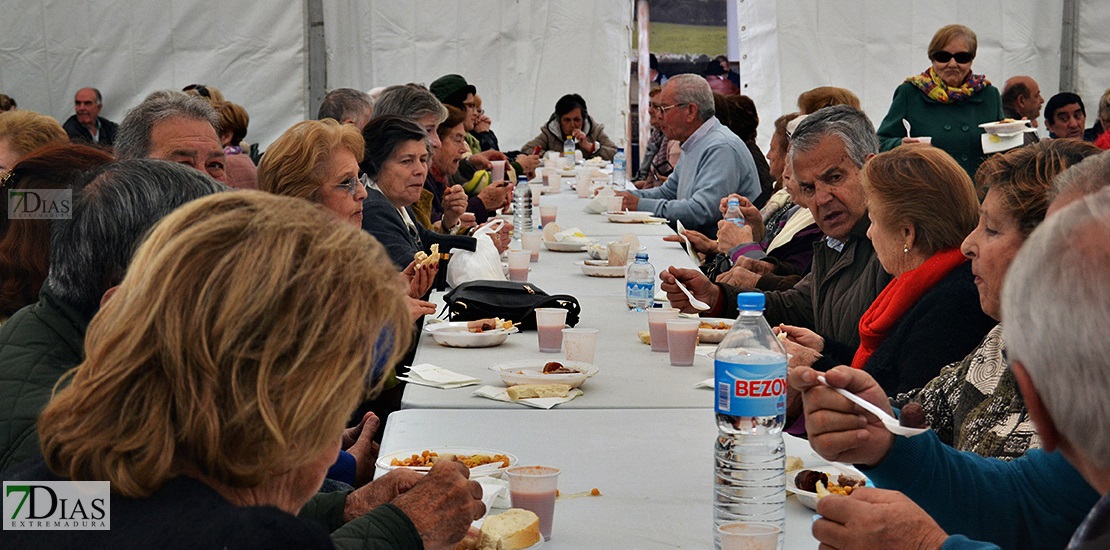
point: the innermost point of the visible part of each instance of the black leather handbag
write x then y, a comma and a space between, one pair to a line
516, 302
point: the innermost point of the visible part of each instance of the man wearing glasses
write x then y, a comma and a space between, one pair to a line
714, 163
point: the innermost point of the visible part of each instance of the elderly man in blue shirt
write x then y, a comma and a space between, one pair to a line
714, 162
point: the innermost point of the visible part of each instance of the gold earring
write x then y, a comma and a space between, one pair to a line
906, 249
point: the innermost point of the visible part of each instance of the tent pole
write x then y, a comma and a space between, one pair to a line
1069, 47
316, 55
643, 21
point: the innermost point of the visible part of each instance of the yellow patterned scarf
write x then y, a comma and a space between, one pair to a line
931, 85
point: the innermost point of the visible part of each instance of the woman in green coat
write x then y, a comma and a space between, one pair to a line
946, 103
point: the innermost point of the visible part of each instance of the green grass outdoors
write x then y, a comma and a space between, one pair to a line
685, 39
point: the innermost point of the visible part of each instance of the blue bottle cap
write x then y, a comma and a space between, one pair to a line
643, 256
750, 301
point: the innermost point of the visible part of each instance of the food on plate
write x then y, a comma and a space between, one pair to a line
645, 336
482, 325
913, 416
806, 480
555, 367
719, 325
515, 529
844, 487
528, 391
1006, 120
429, 458
427, 260
794, 463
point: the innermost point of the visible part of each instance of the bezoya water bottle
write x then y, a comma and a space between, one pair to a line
733, 213
568, 148
522, 211
620, 170
640, 284
750, 382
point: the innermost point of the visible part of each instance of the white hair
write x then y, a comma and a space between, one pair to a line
1055, 307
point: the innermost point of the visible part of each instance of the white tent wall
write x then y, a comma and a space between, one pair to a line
253, 51
521, 55
1093, 65
871, 46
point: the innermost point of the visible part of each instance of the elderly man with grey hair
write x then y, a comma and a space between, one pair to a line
1055, 299
347, 106
89, 253
177, 127
714, 164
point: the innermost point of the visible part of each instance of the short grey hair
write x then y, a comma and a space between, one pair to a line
1085, 178
849, 124
409, 101
691, 88
133, 136
112, 213
345, 104
1055, 303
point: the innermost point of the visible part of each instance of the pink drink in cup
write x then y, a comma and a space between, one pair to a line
547, 214
549, 326
518, 265
682, 338
533, 488
657, 326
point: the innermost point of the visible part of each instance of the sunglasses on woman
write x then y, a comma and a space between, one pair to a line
944, 57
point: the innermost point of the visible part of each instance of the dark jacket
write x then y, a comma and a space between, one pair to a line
381, 219
943, 326
185, 513
78, 132
37, 346
832, 298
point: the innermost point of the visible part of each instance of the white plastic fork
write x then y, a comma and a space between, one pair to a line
889, 422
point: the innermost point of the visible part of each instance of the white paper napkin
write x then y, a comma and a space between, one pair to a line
502, 394
707, 383
495, 492
427, 374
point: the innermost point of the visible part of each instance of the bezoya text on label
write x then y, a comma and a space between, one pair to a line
38, 204
57, 505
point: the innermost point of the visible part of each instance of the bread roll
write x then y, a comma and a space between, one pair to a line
515, 529
527, 391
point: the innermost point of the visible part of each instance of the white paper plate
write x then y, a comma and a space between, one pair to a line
456, 335
530, 371
809, 499
1005, 127
627, 216
714, 336
555, 246
601, 268
383, 463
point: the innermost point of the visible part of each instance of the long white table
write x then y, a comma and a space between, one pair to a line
631, 376
653, 467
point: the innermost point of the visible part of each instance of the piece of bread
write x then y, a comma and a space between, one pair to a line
515, 529
427, 260
527, 391
645, 336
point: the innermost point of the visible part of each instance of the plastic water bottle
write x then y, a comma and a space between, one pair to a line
568, 148
620, 170
750, 380
640, 284
733, 213
522, 212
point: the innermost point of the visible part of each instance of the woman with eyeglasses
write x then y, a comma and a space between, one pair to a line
317, 160
946, 103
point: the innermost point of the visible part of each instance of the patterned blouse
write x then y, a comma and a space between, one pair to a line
975, 405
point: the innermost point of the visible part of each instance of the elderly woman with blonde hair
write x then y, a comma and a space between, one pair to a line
213, 399
317, 160
24, 131
929, 315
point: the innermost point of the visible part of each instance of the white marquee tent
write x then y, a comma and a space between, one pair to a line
277, 58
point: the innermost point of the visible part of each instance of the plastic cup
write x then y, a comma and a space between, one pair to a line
532, 241
537, 190
580, 344
533, 488
498, 172
682, 338
748, 535
657, 326
552, 180
614, 204
547, 214
582, 184
549, 326
518, 265
618, 253
927, 140
551, 157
